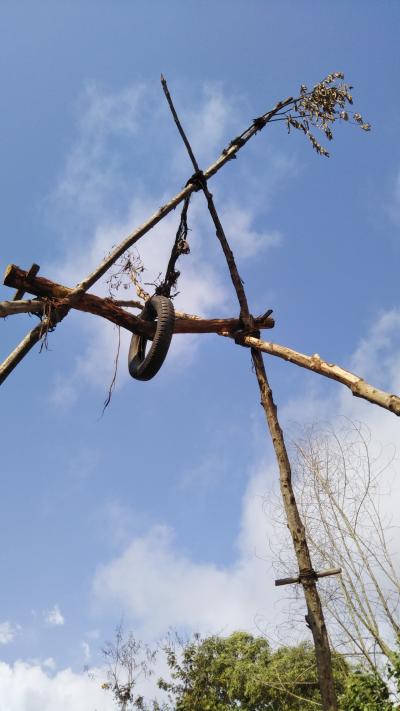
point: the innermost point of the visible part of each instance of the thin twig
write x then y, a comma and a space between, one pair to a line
112, 384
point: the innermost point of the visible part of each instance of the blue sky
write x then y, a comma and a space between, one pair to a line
154, 512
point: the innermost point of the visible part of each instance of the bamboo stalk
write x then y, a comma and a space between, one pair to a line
358, 386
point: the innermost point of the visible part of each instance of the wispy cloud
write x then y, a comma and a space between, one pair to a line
54, 617
159, 586
95, 177
92, 171
7, 632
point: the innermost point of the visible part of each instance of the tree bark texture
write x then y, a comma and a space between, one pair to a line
22, 349
315, 616
11, 308
358, 386
39, 286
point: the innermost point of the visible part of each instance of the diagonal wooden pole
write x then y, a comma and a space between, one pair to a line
358, 386
315, 616
229, 153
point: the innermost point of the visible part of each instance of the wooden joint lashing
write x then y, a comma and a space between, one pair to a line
19, 294
248, 327
308, 575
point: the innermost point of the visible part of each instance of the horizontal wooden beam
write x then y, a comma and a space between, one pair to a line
311, 575
17, 278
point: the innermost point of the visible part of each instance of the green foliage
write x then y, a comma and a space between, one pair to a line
365, 692
240, 671
292, 680
218, 673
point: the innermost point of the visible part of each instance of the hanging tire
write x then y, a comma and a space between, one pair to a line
144, 366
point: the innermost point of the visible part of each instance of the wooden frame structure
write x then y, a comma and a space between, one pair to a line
319, 107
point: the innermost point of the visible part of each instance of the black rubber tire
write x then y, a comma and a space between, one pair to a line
142, 366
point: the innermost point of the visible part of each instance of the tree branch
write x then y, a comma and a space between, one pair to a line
358, 386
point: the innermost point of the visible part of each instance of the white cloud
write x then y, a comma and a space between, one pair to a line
209, 125
54, 617
158, 586
91, 171
7, 632
27, 687
49, 663
246, 241
86, 650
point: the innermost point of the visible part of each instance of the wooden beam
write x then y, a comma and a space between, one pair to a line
106, 308
19, 294
300, 578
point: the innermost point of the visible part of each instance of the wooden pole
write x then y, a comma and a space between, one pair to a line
358, 386
315, 613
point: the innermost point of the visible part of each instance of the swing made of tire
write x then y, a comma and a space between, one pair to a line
144, 366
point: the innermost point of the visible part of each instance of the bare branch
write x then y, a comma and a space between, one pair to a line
202, 181
358, 386
22, 349
315, 615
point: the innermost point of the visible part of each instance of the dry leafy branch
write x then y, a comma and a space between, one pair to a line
326, 103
